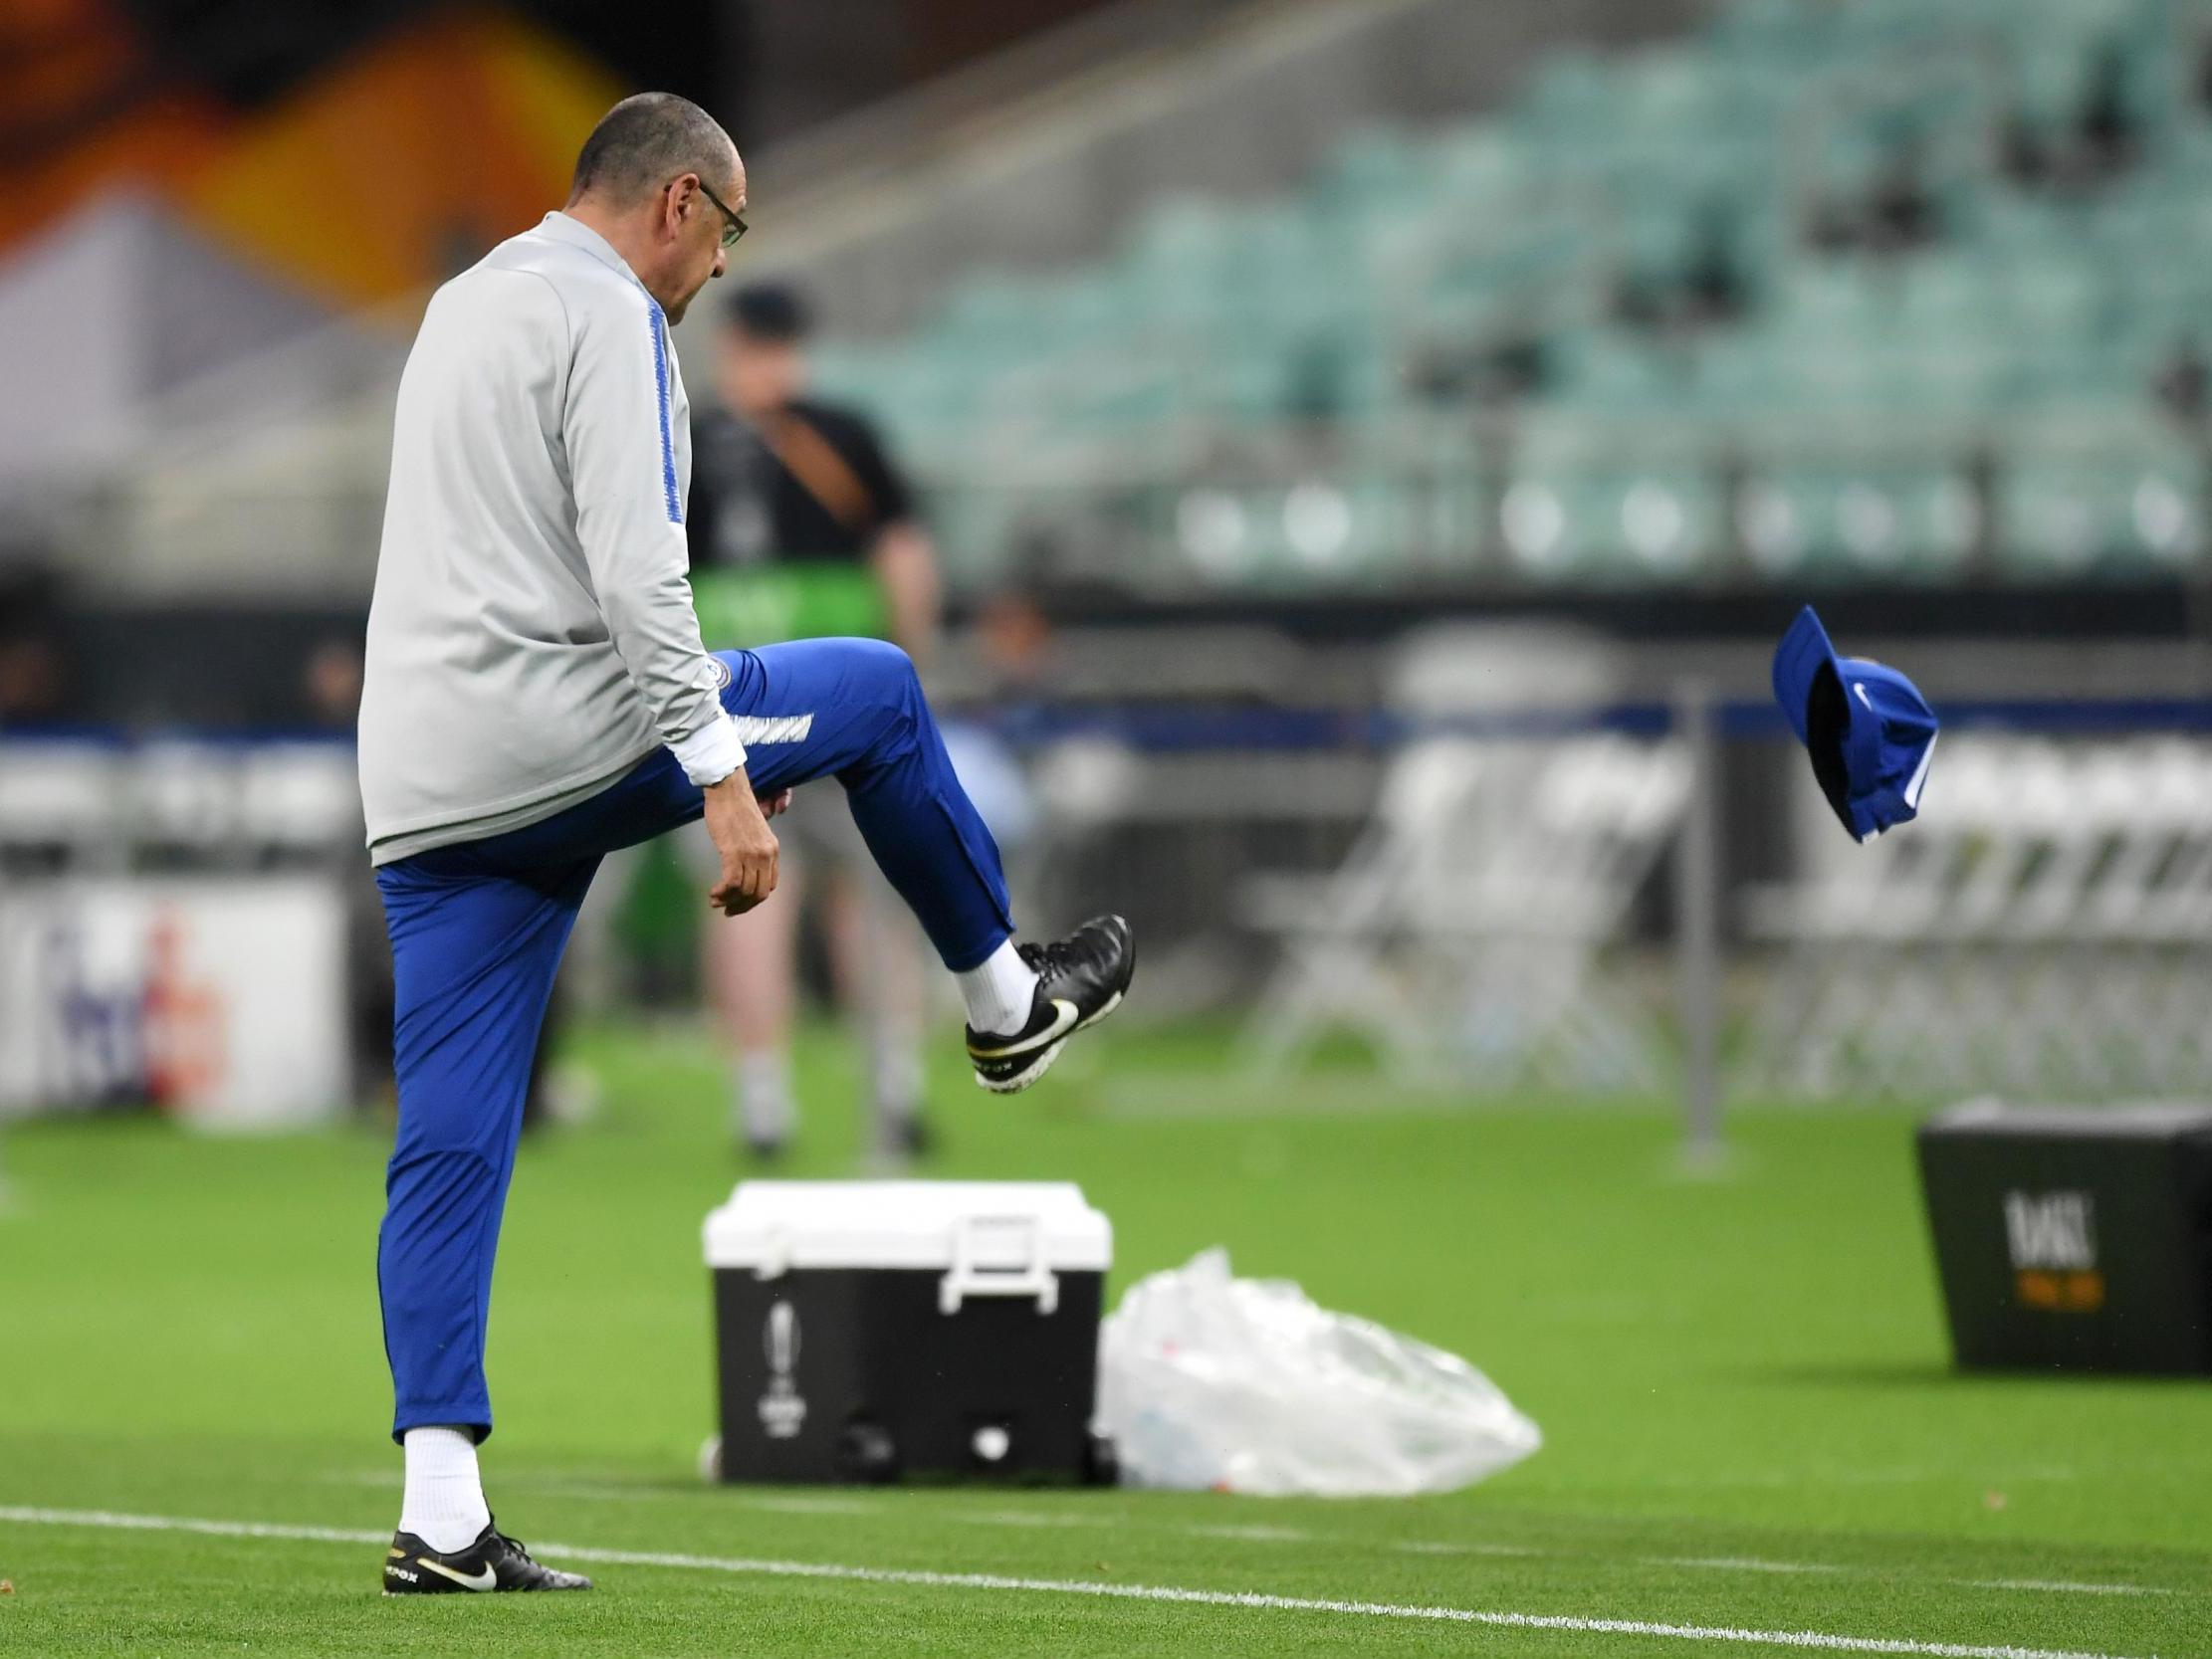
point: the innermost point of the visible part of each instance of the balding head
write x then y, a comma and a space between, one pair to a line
660, 180
644, 142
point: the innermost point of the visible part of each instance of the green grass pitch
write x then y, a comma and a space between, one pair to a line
1752, 1428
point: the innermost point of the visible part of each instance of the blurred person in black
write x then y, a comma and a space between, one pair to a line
33, 674
330, 699
801, 526
2183, 384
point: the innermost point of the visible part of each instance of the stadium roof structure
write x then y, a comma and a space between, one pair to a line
112, 312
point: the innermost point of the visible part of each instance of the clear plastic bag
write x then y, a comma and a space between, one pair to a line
1207, 1380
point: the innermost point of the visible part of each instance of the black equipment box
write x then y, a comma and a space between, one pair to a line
867, 1331
2077, 1237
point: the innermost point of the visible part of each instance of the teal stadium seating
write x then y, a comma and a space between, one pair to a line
1984, 394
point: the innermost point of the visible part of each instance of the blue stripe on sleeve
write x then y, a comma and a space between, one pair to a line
653, 321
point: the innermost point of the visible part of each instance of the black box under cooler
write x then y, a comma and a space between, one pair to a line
871, 1331
2078, 1237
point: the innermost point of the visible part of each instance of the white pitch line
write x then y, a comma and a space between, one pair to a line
805, 1505
1030, 1518
2065, 1587
1818, 1640
1438, 1546
187, 1524
1252, 1534
800, 1504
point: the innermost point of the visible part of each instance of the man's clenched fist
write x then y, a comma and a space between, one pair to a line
739, 824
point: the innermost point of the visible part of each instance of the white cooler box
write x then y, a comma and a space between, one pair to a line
868, 1331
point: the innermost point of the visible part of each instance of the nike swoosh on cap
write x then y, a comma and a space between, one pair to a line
1062, 1024
484, 1580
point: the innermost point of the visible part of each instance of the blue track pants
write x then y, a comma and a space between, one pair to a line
478, 928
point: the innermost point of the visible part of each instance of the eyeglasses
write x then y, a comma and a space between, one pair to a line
732, 226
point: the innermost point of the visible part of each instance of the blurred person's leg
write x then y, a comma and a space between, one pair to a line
595, 969
369, 986
878, 973
750, 966
538, 1094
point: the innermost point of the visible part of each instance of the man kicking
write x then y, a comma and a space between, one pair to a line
537, 696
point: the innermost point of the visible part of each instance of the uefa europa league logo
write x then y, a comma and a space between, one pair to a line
782, 1411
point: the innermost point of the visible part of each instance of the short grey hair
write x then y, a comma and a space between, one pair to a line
644, 142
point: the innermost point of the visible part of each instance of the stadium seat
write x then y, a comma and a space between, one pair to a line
1361, 301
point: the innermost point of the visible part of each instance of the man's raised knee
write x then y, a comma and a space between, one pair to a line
885, 663
890, 658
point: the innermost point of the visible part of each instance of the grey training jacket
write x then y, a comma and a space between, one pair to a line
532, 636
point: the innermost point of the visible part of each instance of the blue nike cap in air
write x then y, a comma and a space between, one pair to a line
1868, 729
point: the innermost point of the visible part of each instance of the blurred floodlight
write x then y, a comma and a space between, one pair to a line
2162, 518
1956, 516
1653, 520
1535, 524
1317, 520
1869, 520
1211, 525
1770, 530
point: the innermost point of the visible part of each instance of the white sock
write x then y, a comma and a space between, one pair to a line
998, 991
765, 1095
444, 1502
